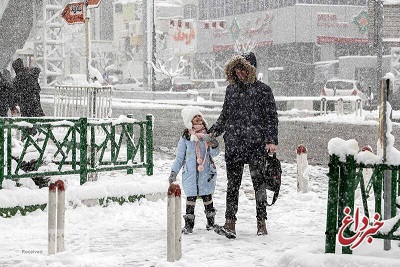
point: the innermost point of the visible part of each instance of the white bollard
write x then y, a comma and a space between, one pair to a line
340, 107
302, 164
323, 106
174, 245
52, 224
56, 219
358, 107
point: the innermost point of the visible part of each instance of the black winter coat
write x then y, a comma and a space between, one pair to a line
6, 95
27, 92
248, 118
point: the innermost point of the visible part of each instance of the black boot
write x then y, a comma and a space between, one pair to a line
210, 215
189, 224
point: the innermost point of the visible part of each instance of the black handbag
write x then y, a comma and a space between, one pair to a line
272, 175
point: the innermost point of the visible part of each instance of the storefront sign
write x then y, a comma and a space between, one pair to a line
330, 20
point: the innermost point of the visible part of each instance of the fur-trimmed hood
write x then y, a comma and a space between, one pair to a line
231, 74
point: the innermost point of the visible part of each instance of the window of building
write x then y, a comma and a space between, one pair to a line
290, 2
216, 8
229, 7
118, 8
244, 6
189, 12
203, 9
266, 5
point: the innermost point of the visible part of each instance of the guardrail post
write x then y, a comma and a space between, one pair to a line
358, 107
56, 217
174, 245
149, 144
340, 107
83, 161
323, 106
302, 164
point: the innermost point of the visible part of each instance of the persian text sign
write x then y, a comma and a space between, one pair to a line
362, 229
73, 13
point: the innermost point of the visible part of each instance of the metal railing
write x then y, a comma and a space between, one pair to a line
61, 146
83, 101
344, 179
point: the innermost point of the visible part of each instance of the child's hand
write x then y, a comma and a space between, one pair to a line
213, 143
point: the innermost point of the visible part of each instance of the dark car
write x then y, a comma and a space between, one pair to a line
163, 85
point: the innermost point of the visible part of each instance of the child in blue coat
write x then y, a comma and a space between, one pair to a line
194, 155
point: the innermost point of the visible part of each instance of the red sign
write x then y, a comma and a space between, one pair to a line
73, 13
93, 3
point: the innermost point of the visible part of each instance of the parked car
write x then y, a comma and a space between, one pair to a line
129, 84
211, 85
74, 79
163, 85
342, 87
182, 84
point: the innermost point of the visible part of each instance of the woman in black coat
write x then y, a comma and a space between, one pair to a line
27, 90
6, 92
249, 121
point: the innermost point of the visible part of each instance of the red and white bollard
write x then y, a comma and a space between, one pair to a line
174, 231
302, 165
56, 219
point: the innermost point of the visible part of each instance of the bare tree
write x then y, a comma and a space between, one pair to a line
212, 65
160, 67
243, 45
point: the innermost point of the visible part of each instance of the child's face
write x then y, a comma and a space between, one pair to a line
197, 120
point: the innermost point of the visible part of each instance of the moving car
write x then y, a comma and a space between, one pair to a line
129, 84
342, 87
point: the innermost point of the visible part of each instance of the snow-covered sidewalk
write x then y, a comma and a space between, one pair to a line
134, 234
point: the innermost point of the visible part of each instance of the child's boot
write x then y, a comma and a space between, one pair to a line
210, 215
189, 224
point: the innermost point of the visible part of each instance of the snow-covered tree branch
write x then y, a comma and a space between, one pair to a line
160, 67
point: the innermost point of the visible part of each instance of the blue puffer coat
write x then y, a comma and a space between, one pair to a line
195, 183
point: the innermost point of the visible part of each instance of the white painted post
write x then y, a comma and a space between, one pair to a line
358, 107
174, 246
323, 106
302, 164
51, 248
178, 226
340, 107
56, 217
60, 215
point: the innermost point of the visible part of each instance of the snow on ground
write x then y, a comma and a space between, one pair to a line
135, 234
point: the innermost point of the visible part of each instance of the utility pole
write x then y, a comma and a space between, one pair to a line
148, 22
87, 39
379, 20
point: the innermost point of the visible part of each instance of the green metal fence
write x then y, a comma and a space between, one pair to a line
344, 179
64, 146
